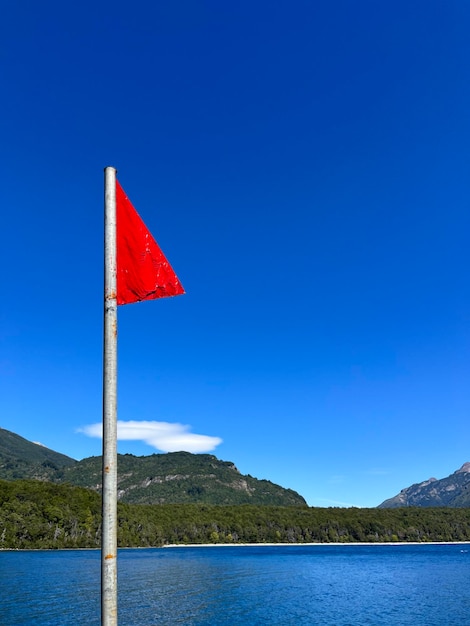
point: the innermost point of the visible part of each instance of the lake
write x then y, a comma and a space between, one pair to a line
337, 585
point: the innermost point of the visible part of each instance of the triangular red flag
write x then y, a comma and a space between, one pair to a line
143, 272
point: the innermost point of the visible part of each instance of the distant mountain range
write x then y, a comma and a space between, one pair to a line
172, 478
453, 491
182, 477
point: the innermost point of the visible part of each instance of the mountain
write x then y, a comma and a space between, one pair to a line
20, 458
182, 477
453, 491
172, 478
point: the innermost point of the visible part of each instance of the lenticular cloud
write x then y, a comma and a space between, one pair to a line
163, 436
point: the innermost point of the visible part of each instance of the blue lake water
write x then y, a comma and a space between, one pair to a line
422, 585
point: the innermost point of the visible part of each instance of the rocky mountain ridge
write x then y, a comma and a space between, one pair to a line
452, 491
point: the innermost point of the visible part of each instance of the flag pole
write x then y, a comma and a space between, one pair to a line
109, 471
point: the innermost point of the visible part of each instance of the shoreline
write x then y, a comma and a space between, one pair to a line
251, 545
349, 543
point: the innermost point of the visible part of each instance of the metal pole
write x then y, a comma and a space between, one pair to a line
109, 498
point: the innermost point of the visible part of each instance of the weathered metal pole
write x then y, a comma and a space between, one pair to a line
109, 498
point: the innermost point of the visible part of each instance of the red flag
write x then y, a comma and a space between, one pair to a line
143, 273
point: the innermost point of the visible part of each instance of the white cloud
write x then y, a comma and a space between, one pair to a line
161, 435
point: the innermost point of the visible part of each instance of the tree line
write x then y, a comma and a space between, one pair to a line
35, 514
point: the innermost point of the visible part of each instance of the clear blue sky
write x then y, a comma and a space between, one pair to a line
305, 167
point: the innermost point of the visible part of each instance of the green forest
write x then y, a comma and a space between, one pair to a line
35, 514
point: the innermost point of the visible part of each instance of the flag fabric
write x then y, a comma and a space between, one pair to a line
143, 272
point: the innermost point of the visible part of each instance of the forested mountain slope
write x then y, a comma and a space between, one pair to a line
175, 477
35, 514
20, 458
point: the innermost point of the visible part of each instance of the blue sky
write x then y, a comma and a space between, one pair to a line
305, 168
